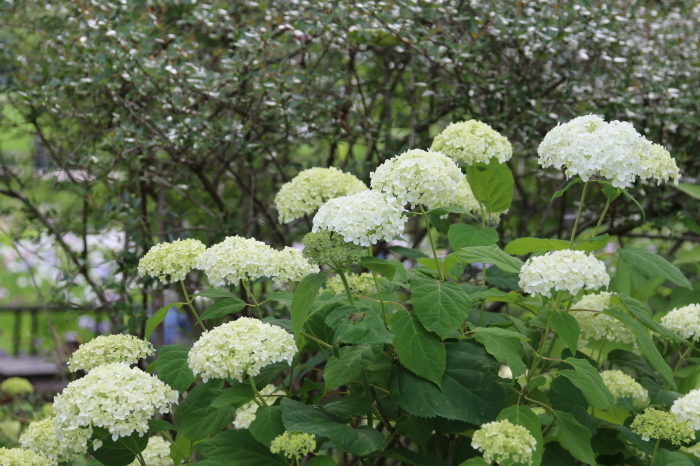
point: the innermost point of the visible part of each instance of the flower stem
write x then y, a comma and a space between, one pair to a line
189, 303
255, 390
345, 284
249, 290
602, 216
379, 291
678, 364
169, 438
578, 214
432, 242
656, 449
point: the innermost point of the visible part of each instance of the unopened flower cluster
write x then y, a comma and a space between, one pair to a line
328, 248
662, 425
114, 396
684, 321
238, 258
311, 188
564, 270
596, 325
293, 444
16, 386
21, 457
245, 415
106, 349
501, 441
622, 385
40, 436
157, 453
363, 218
358, 283
171, 262
470, 142
241, 347
687, 408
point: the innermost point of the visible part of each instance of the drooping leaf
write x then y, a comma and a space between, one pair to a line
626, 358
418, 350
378, 265
195, 418
491, 255
575, 437
214, 293
566, 188
525, 417
157, 318
492, 185
588, 380
462, 235
348, 367
653, 265
267, 424
303, 300
504, 345
567, 327
441, 307
172, 367
120, 452
237, 447
222, 307
523, 246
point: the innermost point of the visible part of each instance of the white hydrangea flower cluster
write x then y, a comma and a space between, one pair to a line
463, 198
659, 164
157, 453
171, 262
596, 325
501, 441
687, 408
418, 177
564, 270
21, 457
359, 283
588, 146
237, 258
312, 188
245, 415
114, 396
470, 142
622, 385
685, 321
363, 218
106, 349
293, 444
241, 347
40, 436
694, 450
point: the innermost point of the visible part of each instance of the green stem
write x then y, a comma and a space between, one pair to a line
379, 291
578, 214
656, 449
347, 287
142, 461
432, 243
189, 303
368, 394
602, 216
320, 342
602, 347
255, 390
249, 290
678, 364
170, 439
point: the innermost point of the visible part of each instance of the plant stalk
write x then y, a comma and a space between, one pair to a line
189, 303
602, 216
578, 214
347, 287
432, 243
249, 290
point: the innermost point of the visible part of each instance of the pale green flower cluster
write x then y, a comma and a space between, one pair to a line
470, 142
659, 164
113, 396
106, 349
241, 347
687, 408
237, 258
327, 248
157, 453
418, 177
245, 415
564, 270
685, 321
596, 325
622, 385
501, 441
171, 262
363, 218
16, 386
21, 457
359, 283
40, 436
312, 188
662, 425
463, 198
293, 444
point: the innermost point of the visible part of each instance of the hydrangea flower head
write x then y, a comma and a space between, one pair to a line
171, 262
157, 453
21, 457
463, 198
114, 396
659, 164
241, 347
470, 142
502, 440
596, 325
16, 386
692, 450
564, 270
685, 321
418, 177
622, 385
687, 408
328, 248
662, 425
245, 415
359, 283
363, 218
40, 436
312, 188
106, 349
293, 444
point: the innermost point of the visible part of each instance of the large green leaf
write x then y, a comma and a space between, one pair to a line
238, 448
491, 255
592, 244
349, 406
157, 318
672, 458
418, 429
523, 246
492, 185
462, 235
348, 366
359, 326
504, 345
236, 396
471, 389
172, 367
407, 456
571, 183
567, 327
120, 452
309, 419
441, 307
588, 380
378, 265
322, 461
564, 396
195, 418
303, 300
267, 424
626, 358
692, 190
419, 350
653, 265
214, 293
575, 437
525, 417
222, 307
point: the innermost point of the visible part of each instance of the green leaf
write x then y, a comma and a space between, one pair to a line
418, 429
359, 326
280, 295
214, 293
407, 456
235, 397
491, 255
462, 235
626, 358
120, 452
157, 318
378, 265
182, 448
418, 350
672, 458
413, 254
575, 437
645, 344
592, 244
440, 307
556, 455
346, 368
476, 461
564, 396
492, 185
501, 279
524, 246
640, 311
238, 448
567, 327
691, 190
322, 461
195, 418
471, 389
222, 307
631, 198
271, 372
349, 406
525, 417
504, 345
588, 380
611, 192
657, 395
302, 302
566, 188
653, 265
267, 424
172, 367
449, 210
309, 419
157, 425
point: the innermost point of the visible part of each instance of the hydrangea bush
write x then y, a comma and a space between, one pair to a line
366, 358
